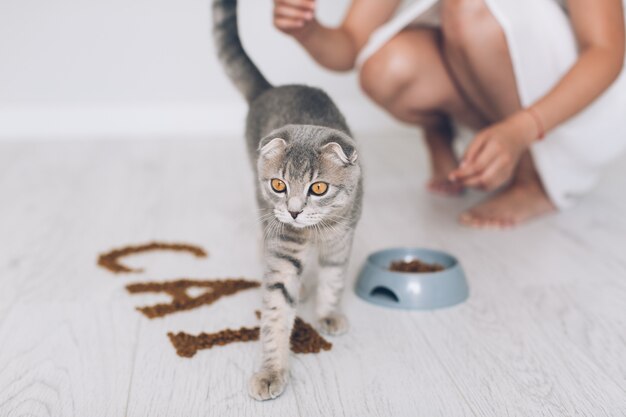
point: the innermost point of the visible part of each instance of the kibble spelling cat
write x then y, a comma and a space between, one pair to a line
309, 190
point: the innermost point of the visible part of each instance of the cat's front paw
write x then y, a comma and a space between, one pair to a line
267, 384
334, 324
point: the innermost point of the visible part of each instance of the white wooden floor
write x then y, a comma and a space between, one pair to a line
543, 333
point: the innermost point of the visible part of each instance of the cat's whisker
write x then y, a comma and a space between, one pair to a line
323, 232
341, 223
332, 227
329, 226
265, 227
265, 217
318, 231
269, 230
338, 217
275, 229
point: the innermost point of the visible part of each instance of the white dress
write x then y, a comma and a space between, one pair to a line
543, 48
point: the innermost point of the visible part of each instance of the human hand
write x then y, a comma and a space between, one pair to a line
294, 17
494, 153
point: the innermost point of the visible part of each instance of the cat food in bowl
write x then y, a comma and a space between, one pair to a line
414, 265
412, 278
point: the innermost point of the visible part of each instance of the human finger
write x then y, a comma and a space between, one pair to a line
300, 4
466, 168
495, 175
284, 23
292, 13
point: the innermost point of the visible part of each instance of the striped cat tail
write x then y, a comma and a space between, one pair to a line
238, 66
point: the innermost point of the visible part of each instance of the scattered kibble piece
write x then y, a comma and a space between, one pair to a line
111, 259
304, 339
181, 300
187, 345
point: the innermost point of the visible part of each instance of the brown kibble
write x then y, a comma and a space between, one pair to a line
187, 345
181, 301
304, 339
415, 265
110, 260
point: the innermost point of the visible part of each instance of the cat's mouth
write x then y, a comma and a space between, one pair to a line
298, 222
295, 223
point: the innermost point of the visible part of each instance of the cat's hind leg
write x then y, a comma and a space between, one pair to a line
308, 282
334, 254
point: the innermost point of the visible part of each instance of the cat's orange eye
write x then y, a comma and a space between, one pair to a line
278, 185
319, 188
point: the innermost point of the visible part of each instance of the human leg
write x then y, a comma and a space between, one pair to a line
409, 78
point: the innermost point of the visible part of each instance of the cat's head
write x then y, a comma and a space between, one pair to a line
308, 174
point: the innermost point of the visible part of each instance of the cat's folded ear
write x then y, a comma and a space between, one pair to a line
271, 147
337, 153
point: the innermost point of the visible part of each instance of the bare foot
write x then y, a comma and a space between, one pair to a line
518, 203
442, 159
442, 166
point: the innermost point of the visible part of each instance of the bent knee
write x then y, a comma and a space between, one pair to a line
465, 23
398, 64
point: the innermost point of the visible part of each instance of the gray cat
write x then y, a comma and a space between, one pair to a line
309, 191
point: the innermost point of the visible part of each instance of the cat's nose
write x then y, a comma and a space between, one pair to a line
294, 214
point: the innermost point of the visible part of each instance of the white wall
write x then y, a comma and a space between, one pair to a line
145, 68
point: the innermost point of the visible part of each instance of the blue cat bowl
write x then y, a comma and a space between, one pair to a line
379, 285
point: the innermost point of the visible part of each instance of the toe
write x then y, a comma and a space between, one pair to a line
466, 218
267, 384
453, 189
334, 324
502, 221
477, 219
434, 186
509, 222
472, 218
484, 223
445, 187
